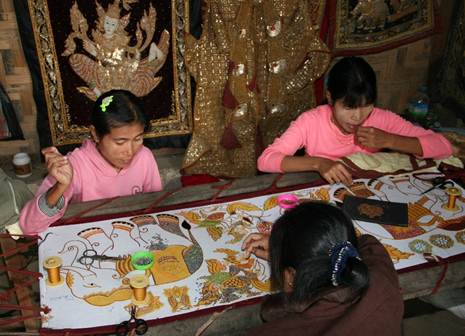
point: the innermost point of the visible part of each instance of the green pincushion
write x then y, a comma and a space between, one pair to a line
142, 260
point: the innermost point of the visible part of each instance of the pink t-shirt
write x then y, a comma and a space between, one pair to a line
93, 178
314, 131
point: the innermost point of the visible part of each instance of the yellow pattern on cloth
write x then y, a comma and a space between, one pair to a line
169, 265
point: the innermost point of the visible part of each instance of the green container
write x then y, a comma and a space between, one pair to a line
142, 260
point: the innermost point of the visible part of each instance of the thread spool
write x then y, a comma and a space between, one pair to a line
139, 284
453, 193
53, 265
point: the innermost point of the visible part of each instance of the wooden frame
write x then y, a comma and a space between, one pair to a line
70, 127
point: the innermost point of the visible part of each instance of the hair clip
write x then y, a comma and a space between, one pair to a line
105, 102
339, 255
288, 201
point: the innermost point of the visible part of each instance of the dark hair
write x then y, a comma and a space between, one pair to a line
124, 109
353, 80
302, 239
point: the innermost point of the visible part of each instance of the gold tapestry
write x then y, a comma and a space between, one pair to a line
254, 65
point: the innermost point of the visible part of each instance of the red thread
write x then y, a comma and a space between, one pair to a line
80, 214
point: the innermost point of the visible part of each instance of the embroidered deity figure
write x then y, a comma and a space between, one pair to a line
254, 66
295, 57
370, 14
227, 105
110, 61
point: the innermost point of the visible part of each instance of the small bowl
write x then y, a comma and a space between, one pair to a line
288, 201
142, 260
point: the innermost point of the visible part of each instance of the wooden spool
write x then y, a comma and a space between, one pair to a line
53, 265
139, 284
453, 193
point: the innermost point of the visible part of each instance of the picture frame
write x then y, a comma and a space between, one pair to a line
60, 29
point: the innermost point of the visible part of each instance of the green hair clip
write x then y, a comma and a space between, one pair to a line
105, 102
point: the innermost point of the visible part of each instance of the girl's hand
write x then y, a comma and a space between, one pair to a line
372, 137
58, 166
258, 244
334, 172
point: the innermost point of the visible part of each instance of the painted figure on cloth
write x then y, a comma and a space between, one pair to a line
114, 63
254, 65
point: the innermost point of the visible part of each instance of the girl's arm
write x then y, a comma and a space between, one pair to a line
51, 200
37, 215
331, 171
376, 138
401, 135
285, 146
278, 157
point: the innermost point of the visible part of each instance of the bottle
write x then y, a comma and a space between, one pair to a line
419, 105
22, 165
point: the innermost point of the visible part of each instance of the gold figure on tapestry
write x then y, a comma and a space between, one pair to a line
227, 104
294, 58
110, 61
255, 66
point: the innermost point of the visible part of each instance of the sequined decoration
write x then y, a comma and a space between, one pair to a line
275, 29
278, 67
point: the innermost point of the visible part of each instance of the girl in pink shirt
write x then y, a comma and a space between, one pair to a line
114, 163
348, 124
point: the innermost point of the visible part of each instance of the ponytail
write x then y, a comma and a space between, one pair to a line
355, 275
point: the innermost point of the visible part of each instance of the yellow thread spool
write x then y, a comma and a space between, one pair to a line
52, 265
453, 193
139, 284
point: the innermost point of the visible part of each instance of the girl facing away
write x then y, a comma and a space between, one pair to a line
348, 124
330, 282
113, 163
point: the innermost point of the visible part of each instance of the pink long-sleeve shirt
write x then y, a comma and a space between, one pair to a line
93, 178
314, 131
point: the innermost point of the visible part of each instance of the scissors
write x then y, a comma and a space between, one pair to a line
89, 256
438, 181
140, 326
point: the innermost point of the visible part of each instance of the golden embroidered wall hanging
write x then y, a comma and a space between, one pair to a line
88, 47
366, 26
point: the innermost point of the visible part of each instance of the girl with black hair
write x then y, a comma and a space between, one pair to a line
330, 282
348, 124
114, 163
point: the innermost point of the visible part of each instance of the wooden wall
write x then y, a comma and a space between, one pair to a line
16, 79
